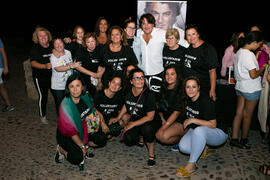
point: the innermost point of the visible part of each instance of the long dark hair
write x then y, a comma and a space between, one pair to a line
253, 36
177, 88
75, 76
184, 97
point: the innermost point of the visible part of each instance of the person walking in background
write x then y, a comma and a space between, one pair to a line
248, 87
4, 70
42, 68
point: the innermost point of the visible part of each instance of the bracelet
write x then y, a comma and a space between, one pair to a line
82, 146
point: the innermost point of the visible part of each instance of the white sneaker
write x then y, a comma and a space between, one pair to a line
44, 120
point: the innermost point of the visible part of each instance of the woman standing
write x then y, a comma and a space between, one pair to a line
101, 30
116, 54
62, 66
140, 104
200, 120
248, 87
92, 68
173, 53
40, 61
201, 61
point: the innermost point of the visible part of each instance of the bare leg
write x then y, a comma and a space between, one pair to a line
4, 95
172, 134
247, 116
238, 117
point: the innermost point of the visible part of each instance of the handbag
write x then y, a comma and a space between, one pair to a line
123, 132
93, 122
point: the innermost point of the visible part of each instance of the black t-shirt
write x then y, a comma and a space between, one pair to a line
75, 48
173, 56
41, 55
108, 107
130, 42
198, 61
90, 60
203, 108
170, 103
116, 62
146, 104
83, 109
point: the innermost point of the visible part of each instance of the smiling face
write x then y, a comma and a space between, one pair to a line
138, 80
192, 89
147, 27
91, 43
115, 85
43, 38
192, 36
79, 34
116, 36
75, 89
171, 77
130, 30
103, 26
59, 45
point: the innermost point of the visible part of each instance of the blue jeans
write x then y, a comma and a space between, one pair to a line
194, 141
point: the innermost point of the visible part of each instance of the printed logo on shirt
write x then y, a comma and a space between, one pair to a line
46, 55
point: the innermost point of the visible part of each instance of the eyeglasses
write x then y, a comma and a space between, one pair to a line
138, 78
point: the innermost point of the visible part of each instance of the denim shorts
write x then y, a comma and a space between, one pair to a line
249, 96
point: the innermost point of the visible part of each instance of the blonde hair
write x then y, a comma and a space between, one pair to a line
37, 30
76, 30
173, 32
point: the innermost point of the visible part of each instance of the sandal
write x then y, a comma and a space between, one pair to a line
265, 169
182, 172
208, 153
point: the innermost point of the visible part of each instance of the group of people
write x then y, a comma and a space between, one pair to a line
142, 88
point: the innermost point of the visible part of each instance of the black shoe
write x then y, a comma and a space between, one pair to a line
244, 142
151, 161
236, 143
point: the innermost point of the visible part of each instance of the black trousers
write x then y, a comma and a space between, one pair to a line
147, 130
74, 152
42, 88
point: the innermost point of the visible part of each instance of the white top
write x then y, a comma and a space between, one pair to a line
152, 62
245, 61
59, 79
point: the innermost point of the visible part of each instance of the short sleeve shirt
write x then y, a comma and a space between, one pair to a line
41, 55
59, 79
145, 104
108, 107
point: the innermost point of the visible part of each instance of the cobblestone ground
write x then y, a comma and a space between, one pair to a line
27, 149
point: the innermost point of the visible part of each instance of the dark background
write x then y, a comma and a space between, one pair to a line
216, 20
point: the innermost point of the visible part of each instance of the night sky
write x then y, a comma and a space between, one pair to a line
216, 20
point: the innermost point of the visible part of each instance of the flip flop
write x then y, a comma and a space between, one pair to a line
184, 172
205, 155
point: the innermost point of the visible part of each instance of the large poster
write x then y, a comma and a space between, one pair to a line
168, 14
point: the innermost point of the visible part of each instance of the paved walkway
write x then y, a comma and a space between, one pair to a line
27, 148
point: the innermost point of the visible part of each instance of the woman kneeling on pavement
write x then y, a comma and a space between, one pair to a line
140, 104
78, 124
201, 123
